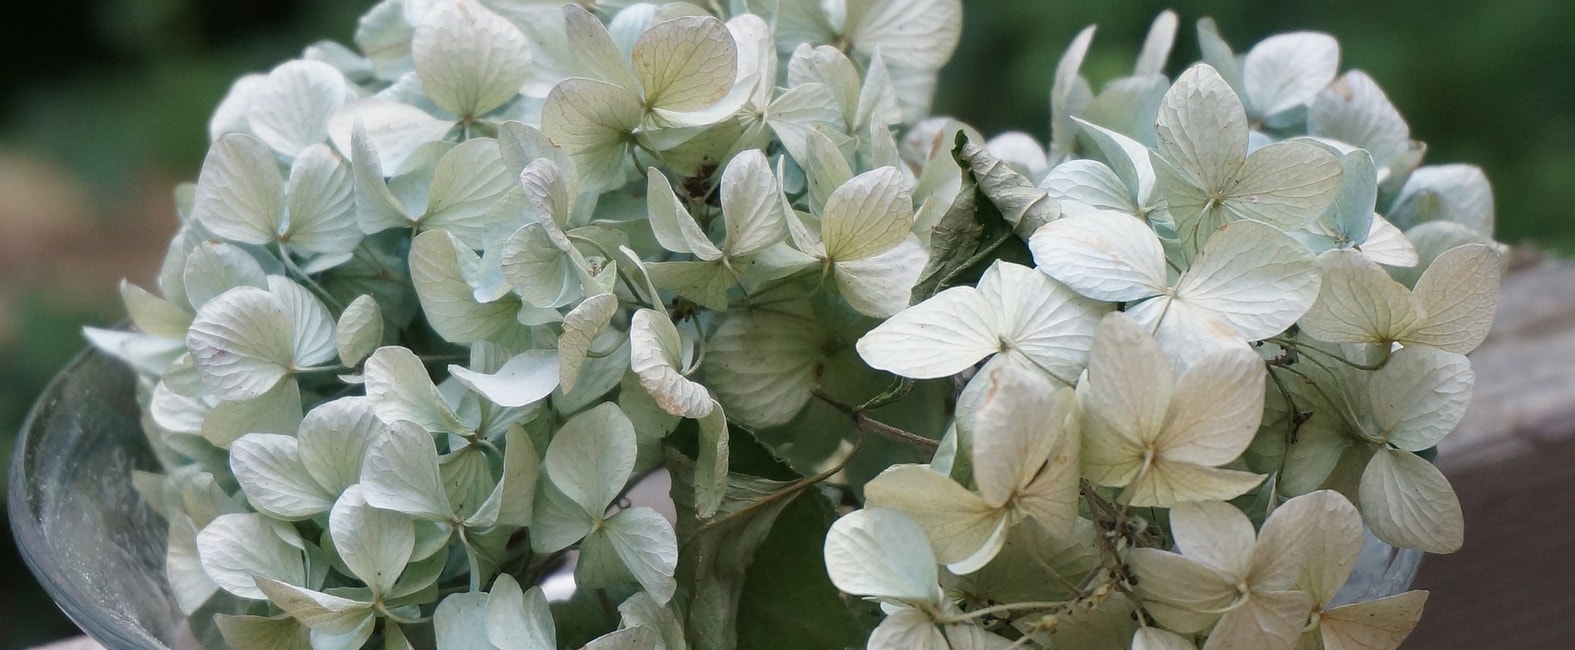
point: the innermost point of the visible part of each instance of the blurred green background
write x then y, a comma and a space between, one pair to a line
104, 105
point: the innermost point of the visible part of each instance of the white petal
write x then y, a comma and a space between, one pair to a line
236, 547
470, 60
881, 553
291, 112
1105, 256
240, 193
944, 335
1407, 502
654, 356
526, 378
1253, 277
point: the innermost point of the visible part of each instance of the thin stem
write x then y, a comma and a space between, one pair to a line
289, 265
977, 257
1004, 607
788, 490
1287, 343
871, 425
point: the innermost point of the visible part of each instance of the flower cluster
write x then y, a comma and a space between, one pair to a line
437, 302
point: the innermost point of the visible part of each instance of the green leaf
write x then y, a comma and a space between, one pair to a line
469, 59
787, 601
1020, 203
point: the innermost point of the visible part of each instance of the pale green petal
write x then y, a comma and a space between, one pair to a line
440, 268
685, 64
1459, 295
270, 471
1266, 621
764, 365
401, 474
1215, 410
240, 192
525, 378
957, 522
1284, 72
519, 619
750, 209
1359, 303
1253, 277
591, 457
400, 390
324, 613
581, 326
333, 438
460, 622
866, 216
375, 544
1455, 193
241, 343
1373, 625
470, 60
1419, 396
236, 547
907, 629
594, 121
882, 285
359, 330
468, 185
1407, 502
290, 112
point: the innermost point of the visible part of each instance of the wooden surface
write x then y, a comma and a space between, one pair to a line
1513, 464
